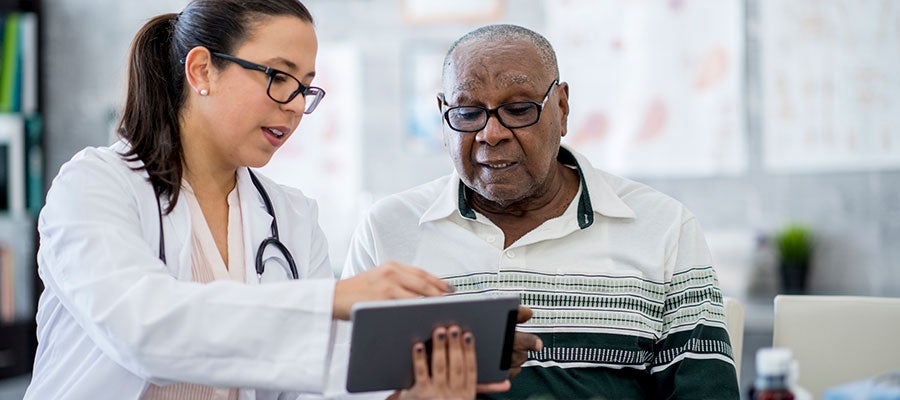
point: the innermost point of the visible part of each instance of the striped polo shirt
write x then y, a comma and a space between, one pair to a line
624, 293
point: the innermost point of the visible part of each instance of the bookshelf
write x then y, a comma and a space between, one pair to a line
21, 182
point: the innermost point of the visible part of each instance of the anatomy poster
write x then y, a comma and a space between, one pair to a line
656, 87
830, 72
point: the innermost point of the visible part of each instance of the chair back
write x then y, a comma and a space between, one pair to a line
734, 321
838, 339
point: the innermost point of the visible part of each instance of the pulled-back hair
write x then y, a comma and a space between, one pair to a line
156, 92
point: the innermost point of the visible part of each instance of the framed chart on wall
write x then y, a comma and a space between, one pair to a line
427, 12
650, 94
12, 164
830, 87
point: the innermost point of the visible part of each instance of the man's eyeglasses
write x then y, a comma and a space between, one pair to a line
518, 114
282, 86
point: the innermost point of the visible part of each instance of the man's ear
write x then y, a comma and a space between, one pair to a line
197, 70
440, 102
440, 105
563, 107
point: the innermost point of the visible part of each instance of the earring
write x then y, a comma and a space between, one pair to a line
204, 92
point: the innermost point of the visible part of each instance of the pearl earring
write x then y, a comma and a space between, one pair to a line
204, 92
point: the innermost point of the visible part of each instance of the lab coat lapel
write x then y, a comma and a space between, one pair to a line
256, 220
176, 225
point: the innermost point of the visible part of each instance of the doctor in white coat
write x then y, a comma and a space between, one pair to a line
174, 271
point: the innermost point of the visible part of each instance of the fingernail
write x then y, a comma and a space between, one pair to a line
441, 336
454, 334
468, 339
420, 348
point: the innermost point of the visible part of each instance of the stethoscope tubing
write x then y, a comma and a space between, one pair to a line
271, 240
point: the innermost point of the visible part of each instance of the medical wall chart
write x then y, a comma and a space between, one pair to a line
656, 87
830, 72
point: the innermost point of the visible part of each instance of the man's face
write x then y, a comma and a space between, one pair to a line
500, 164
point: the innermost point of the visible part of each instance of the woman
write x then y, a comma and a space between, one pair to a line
153, 249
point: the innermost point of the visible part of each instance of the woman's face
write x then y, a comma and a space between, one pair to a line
241, 125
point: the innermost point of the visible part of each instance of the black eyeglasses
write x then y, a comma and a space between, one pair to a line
518, 114
282, 87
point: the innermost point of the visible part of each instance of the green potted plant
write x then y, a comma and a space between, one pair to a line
795, 247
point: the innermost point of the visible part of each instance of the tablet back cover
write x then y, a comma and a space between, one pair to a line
384, 332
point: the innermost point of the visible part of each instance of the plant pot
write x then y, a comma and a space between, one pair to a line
793, 276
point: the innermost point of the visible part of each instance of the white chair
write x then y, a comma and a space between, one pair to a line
734, 322
838, 339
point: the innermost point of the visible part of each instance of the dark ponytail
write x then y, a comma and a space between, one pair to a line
156, 92
150, 118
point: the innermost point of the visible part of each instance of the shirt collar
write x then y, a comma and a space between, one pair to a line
596, 196
603, 198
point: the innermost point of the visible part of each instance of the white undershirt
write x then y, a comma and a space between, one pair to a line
208, 266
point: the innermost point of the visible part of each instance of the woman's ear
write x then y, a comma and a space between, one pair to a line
197, 70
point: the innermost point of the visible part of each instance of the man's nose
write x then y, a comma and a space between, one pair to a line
494, 132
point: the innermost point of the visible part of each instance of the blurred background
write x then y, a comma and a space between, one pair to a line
777, 122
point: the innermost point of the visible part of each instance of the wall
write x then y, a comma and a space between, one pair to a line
856, 215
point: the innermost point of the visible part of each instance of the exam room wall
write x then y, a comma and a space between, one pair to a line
856, 215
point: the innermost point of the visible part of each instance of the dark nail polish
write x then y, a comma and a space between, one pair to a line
454, 334
468, 339
419, 349
441, 336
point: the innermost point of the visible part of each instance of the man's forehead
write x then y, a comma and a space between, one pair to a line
500, 81
500, 64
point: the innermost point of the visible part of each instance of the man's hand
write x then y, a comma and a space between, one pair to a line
524, 342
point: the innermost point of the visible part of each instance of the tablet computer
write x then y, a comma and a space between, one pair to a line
384, 332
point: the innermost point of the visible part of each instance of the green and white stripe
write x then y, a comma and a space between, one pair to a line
614, 321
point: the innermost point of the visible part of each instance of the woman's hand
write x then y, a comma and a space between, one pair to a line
390, 280
453, 367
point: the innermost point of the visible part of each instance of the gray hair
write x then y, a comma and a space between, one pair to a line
503, 33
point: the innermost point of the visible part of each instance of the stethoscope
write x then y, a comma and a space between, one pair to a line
269, 241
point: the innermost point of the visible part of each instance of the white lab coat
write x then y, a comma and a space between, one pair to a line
113, 318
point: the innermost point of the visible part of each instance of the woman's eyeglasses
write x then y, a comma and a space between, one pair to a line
282, 87
519, 114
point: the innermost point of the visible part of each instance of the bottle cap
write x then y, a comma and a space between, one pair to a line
773, 361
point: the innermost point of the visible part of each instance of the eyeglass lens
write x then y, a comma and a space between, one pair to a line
283, 88
511, 115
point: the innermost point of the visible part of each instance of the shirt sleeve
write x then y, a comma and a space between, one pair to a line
319, 263
361, 255
693, 358
100, 264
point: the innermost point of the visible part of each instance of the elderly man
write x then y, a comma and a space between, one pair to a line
619, 276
